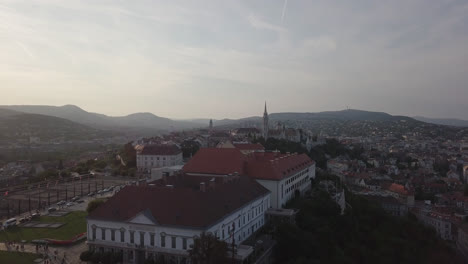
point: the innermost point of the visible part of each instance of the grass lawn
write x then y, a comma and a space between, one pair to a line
17, 257
75, 223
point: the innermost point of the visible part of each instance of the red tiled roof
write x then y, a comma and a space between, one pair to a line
397, 188
168, 149
246, 146
216, 161
180, 206
258, 165
274, 166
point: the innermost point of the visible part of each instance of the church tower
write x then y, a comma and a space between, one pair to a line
265, 123
211, 124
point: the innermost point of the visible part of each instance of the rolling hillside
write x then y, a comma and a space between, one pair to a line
17, 125
143, 121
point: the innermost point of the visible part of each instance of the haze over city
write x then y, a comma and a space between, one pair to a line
223, 59
242, 132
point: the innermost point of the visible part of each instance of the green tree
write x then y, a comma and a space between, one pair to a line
207, 249
86, 256
94, 204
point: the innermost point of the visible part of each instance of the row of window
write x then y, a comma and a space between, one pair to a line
292, 179
159, 164
246, 233
296, 185
152, 238
250, 215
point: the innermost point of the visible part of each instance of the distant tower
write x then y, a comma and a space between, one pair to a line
265, 123
211, 123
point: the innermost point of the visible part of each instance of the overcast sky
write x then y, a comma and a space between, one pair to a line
216, 59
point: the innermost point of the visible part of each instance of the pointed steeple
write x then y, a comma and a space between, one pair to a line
265, 123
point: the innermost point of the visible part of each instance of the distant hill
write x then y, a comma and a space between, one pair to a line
15, 125
443, 121
343, 115
148, 123
351, 115
73, 113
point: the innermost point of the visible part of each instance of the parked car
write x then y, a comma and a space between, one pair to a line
91, 194
35, 215
61, 203
70, 204
22, 220
10, 222
51, 209
80, 201
74, 199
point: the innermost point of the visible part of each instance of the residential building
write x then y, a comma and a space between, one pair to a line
163, 219
284, 175
157, 156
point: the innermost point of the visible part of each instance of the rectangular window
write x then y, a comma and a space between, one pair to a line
113, 235
122, 236
152, 239
163, 241
173, 242
103, 234
142, 238
94, 233
132, 237
184, 243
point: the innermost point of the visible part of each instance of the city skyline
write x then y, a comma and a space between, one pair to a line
184, 60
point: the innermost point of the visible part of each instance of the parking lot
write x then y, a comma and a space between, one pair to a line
27, 199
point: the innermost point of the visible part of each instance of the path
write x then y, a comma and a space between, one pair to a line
72, 253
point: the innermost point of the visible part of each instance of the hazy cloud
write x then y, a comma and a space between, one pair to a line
224, 58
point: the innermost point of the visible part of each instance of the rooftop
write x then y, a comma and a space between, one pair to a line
182, 202
259, 165
162, 149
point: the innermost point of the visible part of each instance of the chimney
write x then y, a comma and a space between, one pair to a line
202, 187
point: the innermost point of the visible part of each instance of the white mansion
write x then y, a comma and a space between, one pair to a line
161, 220
157, 156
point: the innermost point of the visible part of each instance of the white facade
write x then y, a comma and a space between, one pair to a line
141, 237
283, 190
442, 224
146, 162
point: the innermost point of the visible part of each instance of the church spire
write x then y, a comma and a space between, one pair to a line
265, 123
